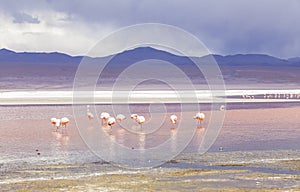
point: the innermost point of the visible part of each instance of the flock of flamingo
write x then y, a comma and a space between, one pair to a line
107, 119
59, 122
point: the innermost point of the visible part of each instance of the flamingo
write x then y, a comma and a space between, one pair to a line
134, 116
173, 119
199, 116
222, 107
104, 116
64, 121
90, 115
120, 117
140, 120
111, 121
57, 123
53, 121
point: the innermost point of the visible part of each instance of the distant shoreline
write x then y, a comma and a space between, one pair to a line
143, 97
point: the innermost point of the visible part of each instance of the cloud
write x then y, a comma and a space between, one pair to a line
226, 27
25, 18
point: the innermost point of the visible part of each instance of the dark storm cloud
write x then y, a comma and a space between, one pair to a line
226, 27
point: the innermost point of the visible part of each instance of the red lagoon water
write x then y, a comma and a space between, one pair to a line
27, 137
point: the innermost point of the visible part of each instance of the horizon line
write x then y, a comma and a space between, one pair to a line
83, 55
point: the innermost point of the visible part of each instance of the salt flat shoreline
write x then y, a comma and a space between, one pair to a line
136, 97
230, 171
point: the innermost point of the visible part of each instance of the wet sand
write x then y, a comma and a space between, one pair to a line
260, 151
271, 175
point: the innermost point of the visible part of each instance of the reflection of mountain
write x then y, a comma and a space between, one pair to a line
57, 70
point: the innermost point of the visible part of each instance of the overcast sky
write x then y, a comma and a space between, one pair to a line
225, 26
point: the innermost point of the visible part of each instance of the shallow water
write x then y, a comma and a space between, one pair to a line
28, 138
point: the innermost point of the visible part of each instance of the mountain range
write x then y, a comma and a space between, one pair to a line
8, 57
45, 71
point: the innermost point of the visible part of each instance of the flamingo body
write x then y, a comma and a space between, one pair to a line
57, 123
64, 121
200, 117
111, 121
53, 121
104, 116
90, 115
173, 119
120, 117
134, 116
140, 119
